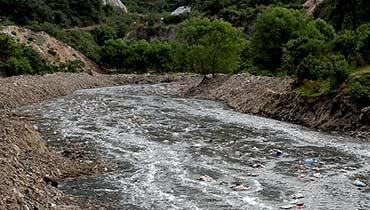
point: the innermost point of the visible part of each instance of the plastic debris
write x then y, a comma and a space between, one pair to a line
359, 183
258, 165
308, 161
206, 178
297, 196
279, 153
287, 207
241, 188
311, 161
298, 167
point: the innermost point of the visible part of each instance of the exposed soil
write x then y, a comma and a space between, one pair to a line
272, 97
53, 50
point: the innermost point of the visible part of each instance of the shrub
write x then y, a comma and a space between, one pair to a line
331, 68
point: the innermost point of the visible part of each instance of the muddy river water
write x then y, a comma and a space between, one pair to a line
161, 144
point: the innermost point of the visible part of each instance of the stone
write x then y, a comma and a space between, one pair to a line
181, 10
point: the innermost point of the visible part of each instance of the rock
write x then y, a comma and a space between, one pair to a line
116, 3
181, 10
206, 178
241, 188
311, 5
35, 127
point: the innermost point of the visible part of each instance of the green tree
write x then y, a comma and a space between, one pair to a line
274, 27
213, 46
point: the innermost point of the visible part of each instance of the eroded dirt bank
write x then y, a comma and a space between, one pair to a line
29, 170
272, 97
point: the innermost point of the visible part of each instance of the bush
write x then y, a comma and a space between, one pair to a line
103, 33
360, 94
329, 68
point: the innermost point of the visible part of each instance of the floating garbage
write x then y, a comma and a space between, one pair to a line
298, 167
297, 196
241, 188
252, 174
287, 207
317, 175
308, 161
311, 161
279, 153
295, 204
206, 178
258, 165
359, 183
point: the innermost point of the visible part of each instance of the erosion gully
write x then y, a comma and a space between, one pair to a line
161, 144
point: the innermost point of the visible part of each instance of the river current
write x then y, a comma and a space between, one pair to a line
161, 144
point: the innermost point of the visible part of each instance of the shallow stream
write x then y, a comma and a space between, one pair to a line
161, 144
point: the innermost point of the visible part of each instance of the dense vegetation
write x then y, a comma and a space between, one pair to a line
321, 51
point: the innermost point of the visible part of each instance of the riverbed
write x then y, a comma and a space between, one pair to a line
161, 144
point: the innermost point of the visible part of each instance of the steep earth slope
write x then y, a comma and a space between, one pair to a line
49, 47
274, 98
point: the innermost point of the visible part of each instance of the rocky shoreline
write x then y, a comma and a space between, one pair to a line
30, 170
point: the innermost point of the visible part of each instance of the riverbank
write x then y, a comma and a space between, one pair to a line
27, 165
274, 98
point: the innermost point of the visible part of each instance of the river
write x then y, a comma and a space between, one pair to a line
162, 144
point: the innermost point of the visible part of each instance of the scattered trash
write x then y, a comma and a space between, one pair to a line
258, 165
206, 178
311, 161
297, 196
279, 153
317, 175
241, 188
252, 174
287, 207
308, 161
359, 183
197, 145
298, 167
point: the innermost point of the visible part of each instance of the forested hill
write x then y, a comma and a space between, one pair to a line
325, 48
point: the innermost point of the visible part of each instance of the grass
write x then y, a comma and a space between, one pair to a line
311, 88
